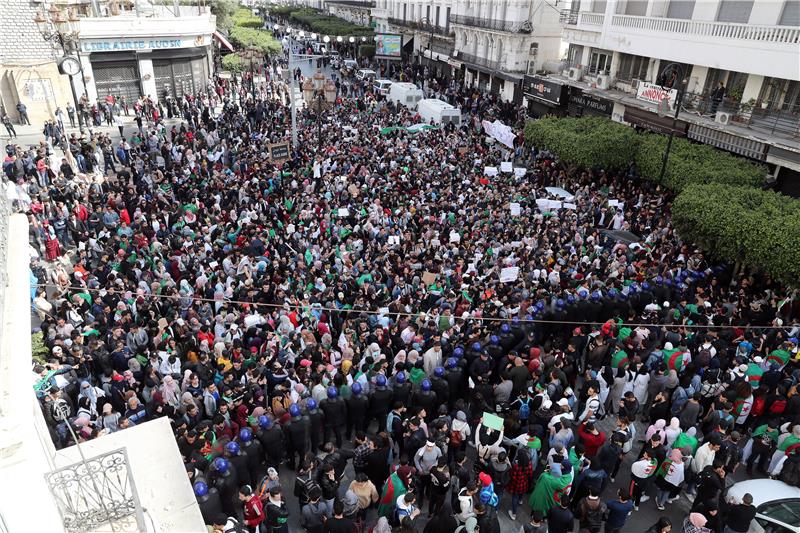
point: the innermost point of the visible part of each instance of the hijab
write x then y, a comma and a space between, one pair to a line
657, 428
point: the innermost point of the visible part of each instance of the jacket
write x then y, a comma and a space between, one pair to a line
465, 506
253, 511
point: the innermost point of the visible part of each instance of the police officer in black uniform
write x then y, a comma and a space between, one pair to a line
210, 504
380, 401
223, 478
357, 405
317, 424
335, 415
401, 388
239, 462
255, 455
296, 430
271, 438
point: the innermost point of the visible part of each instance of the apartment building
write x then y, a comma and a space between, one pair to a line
739, 61
489, 44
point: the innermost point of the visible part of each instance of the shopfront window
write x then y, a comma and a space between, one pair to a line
632, 67
600, 62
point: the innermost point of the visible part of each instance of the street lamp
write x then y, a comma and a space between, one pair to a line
319, 94
61, 26
670, 76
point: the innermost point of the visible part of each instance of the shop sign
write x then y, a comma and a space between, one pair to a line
650, 92
590, 103
652, 122
128, 45
542, 89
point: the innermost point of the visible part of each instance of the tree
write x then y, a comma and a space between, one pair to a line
223, 10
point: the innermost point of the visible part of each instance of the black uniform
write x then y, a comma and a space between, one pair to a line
241, 464
316, 430
357, 405
401, 392
228, 486
297, 438
273, 445
335, 418
255, 458
455, 378
211, 507
380, 402
439, 386
426, 400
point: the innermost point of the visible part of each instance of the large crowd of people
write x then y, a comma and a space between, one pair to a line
380, 316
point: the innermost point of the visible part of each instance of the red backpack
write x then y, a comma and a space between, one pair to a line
758, 406
778, 406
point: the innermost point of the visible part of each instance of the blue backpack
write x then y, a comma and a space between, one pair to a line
524, 409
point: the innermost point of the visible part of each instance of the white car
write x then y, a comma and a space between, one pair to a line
777, 505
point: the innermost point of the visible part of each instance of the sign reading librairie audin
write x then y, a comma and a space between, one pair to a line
126, 45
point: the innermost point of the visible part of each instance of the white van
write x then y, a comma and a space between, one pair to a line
438, 111
365, 73
382, 87
405, 93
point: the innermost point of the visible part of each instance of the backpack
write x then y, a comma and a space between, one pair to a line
456, 438
525, 409
758, 406
703, 357
599, 411
790, 472
778, 406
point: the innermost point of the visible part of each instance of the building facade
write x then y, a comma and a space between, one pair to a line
353, 11
738, 62
28, 72
489, 44
155, 51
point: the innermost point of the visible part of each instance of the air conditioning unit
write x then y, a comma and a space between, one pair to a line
455, 53
602, 81
722, 118
575, 74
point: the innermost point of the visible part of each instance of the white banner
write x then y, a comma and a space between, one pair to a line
650, 92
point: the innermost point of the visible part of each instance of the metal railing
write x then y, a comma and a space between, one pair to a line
421, 26
488, 63
765, 117
716, 30
352, 3
493, 24
5, 212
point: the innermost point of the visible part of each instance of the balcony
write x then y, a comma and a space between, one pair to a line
753, 49
492, 24
424, 27
352, 3
714, 30
495, 66
582, 19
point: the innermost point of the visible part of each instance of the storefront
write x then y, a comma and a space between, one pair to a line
645, 120
149, 66
582, 103
544, 96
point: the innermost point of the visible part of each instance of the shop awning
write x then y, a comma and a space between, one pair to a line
435, 55
223, 41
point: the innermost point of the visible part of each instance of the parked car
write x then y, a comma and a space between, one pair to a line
777, 505
348, 67
365, 74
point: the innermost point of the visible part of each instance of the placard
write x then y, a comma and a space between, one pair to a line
455, 237
492, 421
279, 152
428, 278
570, 206
394, 240
613, 203
515, 208
343, 212
490, 171
558, 191
509, 274
506, 166
520, 172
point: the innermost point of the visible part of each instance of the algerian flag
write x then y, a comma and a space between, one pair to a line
779, 356
466, 296
309, 257
619, 359
753, 375
674, 359
392, 490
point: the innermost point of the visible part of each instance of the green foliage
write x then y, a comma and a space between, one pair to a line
245, 18
324, 24
223, 10
261, 40
281, 11
234, 63
585, 141
366, 50
759, 228
694, 163
39, 351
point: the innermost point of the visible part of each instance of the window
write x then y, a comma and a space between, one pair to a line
574, 54
438, 12
600, 62
734, 11
680, 9
786, 511
637, 8
632, 67
791, 13
598, 6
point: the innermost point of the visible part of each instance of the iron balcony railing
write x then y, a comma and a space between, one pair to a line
492, 24
422, 26
766, 117
352, 3
487, 63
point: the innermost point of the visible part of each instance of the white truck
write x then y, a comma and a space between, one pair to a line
405, 93
433, 110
